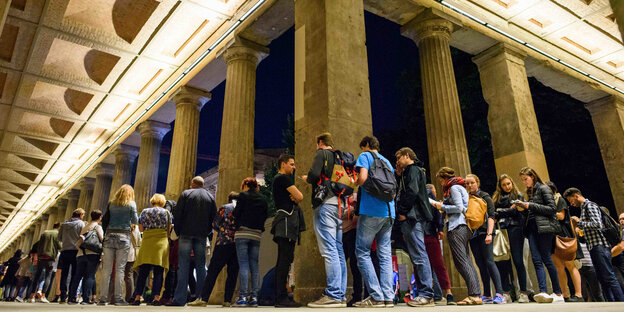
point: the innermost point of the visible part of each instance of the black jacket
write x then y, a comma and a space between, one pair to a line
542, 209
194, 213
506, 215
251, 210
288, 224
412, 200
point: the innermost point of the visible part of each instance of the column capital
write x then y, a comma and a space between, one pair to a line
500, 52
245, 50
126, 151
87, 183
152, 128
190, 95
61, 202
72, 194
104, 169
606, 104
430, 23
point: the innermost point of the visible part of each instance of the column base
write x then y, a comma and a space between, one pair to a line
304, 295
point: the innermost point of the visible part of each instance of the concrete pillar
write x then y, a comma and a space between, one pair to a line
72, 202
62, 209
28, 241
331, 94
52, 212
102, 189
125, 156
182, 163
236, 155
146, 178
516, 140
5, 5
86, 193
446, 140
608, 118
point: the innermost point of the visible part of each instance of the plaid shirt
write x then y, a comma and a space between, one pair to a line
591, 224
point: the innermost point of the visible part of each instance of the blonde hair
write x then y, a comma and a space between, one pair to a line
124, 195
158, 200
474, 176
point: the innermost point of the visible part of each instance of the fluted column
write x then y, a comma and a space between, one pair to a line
183, 160
62, 209
146, 178
28, 241
125, 156
86, 193
72, 202
446, 140
608, 118
102, 189
51, 218
236, 155
516, 139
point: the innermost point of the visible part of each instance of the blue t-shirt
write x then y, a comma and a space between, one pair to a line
369, 205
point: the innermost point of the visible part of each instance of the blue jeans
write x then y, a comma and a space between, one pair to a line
328, 230
116, 249
415, 241
601, 258
187, 244
369, 229
247, 251
541, 250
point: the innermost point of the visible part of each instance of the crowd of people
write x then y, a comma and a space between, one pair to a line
363, 209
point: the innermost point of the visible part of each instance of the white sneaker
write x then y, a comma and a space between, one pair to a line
543, 298
43, 299
31, 300
557, 298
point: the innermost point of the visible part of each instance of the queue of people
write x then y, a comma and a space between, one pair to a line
158, 255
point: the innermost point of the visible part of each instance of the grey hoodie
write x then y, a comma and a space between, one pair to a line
69, 233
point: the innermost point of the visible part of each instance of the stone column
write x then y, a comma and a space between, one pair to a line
86, 194
28, 241
5, 5
446, 141
102, 189
51, 218
516, 140
331, 94
183, 160
125, 156
608, 118
72, 202
146, 178
62, 209
236, 155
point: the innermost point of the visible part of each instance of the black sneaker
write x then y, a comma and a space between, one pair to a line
288, 304
574, 299
450, 300
351, 302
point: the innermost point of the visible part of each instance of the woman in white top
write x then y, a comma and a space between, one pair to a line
87, 261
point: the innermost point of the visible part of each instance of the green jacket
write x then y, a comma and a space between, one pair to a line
49, 245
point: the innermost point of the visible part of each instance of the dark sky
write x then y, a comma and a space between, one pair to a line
395, 90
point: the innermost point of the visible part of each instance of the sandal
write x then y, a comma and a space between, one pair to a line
470, 301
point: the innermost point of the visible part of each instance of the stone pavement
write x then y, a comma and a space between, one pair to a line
515, 307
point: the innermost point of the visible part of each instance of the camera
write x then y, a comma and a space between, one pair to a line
321, 193
516, 202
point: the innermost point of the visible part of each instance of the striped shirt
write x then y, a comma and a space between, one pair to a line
591, 224
247, 233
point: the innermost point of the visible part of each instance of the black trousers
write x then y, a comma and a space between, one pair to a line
590, 285
67, 262
223, 255
285, 257
348, 244
144, 271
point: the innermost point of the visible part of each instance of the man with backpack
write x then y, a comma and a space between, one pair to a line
376, 216
413, 212
599, 247
328, 223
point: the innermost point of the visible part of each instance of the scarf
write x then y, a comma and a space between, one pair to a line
450, 182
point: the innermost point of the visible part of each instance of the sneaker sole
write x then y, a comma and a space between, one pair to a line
420, 305
370, 306
329, 305
543, 300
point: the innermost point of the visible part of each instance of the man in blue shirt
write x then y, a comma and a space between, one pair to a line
375, 223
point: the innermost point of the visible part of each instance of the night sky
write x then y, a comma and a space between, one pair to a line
396, 103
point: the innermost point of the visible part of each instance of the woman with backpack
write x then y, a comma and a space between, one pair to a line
563, 215
87, 260
455, 204
482, 246
513, 221
540, 228
153, 255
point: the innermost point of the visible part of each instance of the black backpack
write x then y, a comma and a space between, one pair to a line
91, 242
611, 229
381, 182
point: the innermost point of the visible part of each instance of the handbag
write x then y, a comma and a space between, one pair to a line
171, 230
565, 247
501, 246
91, 241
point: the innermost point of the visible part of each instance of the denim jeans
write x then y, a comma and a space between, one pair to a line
247, 252
437, 291
516, 245
186, 244
43, 275
541, 249
379, 229
116, 249
415, 241
328, 230
601, 258
86, 266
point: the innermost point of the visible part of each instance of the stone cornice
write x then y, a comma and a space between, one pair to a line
606, 104
500, 52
